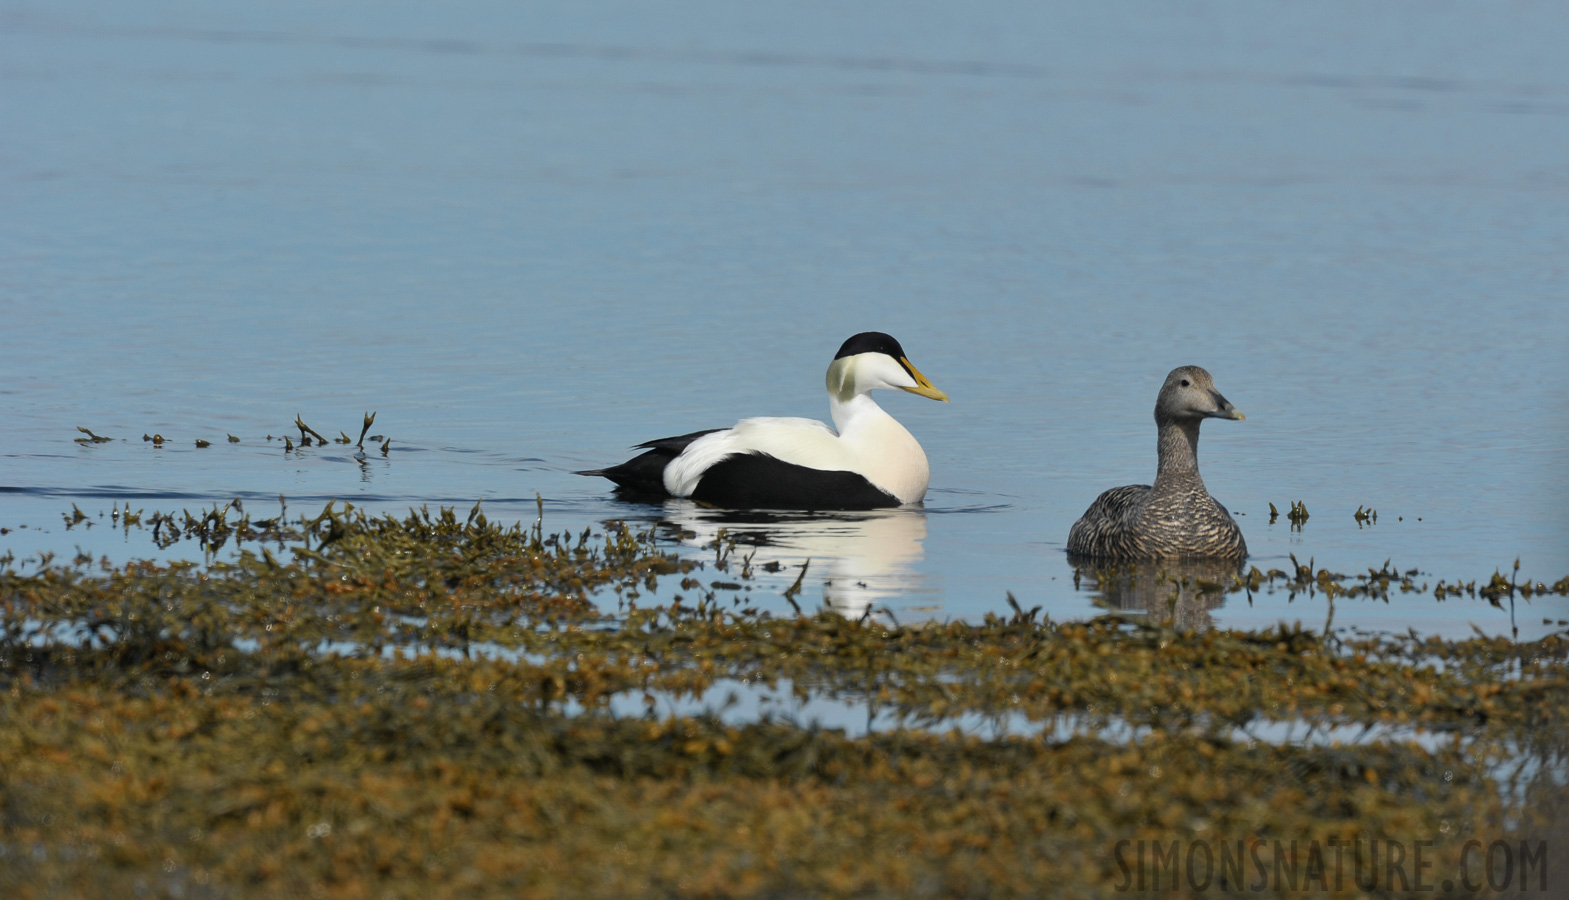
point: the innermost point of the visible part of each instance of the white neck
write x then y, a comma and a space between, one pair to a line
885, 451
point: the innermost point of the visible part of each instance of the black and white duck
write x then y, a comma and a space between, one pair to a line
867, 460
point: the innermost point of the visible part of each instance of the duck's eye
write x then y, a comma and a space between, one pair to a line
1184, 382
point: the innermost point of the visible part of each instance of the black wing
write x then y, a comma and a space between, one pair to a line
644, 475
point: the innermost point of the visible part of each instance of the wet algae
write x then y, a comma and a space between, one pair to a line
350, 706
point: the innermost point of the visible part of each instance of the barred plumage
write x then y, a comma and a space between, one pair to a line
1176, 516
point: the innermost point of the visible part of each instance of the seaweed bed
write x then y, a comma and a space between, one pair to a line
431, 706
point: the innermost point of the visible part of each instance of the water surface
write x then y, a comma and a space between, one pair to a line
531, 237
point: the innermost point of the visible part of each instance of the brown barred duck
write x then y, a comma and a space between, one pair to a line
870, 462
1177, 517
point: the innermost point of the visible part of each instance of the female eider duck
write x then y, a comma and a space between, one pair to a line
787, 463
1176, 517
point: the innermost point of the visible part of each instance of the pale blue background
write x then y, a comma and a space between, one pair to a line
530, 235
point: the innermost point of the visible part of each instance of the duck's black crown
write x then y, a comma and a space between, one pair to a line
870, 342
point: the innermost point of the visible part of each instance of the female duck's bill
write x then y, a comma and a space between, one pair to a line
871, 461
1176, 517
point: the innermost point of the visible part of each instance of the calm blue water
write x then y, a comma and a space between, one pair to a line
531, 236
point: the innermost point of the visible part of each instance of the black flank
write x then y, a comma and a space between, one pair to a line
760, 481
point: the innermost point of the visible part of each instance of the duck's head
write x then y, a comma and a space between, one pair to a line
1189, 395
872, 360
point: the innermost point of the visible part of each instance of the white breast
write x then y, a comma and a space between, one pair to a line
886, 453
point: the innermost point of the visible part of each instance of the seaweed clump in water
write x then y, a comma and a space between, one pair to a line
352, 706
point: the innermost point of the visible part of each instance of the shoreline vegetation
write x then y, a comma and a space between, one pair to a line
432, 706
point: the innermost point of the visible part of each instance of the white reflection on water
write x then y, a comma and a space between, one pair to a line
853, 561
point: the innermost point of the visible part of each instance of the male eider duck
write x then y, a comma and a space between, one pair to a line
1176, 517
786, 463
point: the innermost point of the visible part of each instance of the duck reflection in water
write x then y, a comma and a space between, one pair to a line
1175, 592
859, 561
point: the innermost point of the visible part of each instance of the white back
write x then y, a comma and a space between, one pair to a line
870, 442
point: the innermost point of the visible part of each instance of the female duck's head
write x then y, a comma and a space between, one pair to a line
1189, 395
